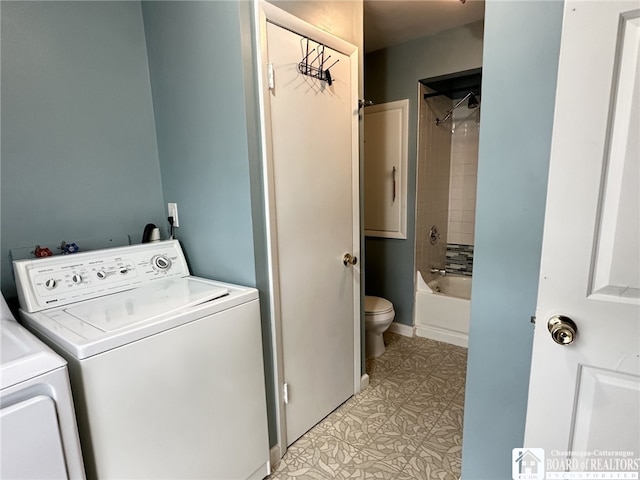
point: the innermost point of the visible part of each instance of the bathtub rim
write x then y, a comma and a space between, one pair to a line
433, 331
423, 287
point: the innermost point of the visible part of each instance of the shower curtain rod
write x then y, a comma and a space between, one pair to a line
473, 88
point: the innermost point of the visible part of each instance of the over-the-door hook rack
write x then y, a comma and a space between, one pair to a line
318, 71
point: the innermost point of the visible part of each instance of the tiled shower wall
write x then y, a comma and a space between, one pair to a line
432, 202
459, 259
447, 177
464, 175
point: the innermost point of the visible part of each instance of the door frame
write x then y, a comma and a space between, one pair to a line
264, 12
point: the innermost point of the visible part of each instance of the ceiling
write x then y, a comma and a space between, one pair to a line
391, 22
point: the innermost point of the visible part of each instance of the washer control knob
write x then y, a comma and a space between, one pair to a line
101, 274
161, 262
50, 284
76, 278
123, 270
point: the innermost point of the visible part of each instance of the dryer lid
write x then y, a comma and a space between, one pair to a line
4, 308
377, 305
22, 355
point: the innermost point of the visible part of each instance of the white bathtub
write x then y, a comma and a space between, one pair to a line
442, 309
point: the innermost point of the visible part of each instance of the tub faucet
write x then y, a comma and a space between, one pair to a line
439, 271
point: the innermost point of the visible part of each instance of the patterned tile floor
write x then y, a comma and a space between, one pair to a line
406, 425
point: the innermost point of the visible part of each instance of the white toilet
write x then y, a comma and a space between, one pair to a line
378, 315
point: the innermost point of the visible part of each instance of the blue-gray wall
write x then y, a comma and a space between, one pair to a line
521, 48
204, 97
112, 109
198, 98
393, 74
79, 156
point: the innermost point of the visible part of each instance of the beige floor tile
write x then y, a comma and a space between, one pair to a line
406, 425
428, 342
379, 370
447, 431
405, 382
437, 388
455, 374
297, 468
422, 362
388, 392
300, 445
408, 428
395, 342
354, 429
367, 464
432, 464
460, 353
423, 415
329, 455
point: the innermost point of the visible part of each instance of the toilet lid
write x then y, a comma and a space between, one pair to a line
377, 305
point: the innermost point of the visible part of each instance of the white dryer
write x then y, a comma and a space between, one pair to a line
39, 437
166, 368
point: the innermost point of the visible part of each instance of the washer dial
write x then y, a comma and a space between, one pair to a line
161, 262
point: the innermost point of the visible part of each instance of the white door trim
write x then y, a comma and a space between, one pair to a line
263, 12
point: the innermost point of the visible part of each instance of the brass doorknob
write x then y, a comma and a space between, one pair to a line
349, 259
563, 330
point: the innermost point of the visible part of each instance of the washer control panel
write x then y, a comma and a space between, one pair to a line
60, 280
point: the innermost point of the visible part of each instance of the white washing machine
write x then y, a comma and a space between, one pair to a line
166, 368
39, 437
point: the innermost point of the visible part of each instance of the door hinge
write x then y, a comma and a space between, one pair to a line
285, 393
271, 79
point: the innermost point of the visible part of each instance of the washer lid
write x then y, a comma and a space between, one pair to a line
377, 305
126, 309
95, 326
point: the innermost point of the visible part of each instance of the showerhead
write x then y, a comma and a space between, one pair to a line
473, 101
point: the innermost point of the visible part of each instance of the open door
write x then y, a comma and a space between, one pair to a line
584, 394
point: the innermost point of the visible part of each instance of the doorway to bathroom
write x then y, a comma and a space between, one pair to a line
446, 178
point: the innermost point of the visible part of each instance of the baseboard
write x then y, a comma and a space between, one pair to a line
443, 335
401, 329
364, 381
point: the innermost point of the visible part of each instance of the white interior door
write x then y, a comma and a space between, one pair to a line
312, 178
585, 396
